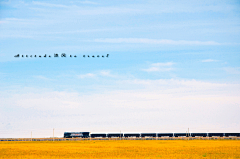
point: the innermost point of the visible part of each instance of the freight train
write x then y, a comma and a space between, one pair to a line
144, 135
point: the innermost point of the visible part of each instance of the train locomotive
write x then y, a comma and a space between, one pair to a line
76, 134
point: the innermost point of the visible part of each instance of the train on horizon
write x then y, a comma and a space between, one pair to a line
144, 135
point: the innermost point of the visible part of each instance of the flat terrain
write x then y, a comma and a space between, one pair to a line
122, 149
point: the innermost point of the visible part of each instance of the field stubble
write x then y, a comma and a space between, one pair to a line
121, 149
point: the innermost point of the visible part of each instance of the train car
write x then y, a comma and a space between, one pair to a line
215, 134
148, 134
232, 134
181, 135
199, 134
76, 134
112, 135
132, 135
98, 135
165, 134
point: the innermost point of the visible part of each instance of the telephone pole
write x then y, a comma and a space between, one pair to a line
53, 134
31, 135
120, 135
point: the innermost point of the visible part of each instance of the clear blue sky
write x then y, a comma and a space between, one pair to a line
171, 65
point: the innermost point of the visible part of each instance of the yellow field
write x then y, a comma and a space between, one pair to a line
122, 149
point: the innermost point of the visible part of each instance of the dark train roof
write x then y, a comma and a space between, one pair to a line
76, 132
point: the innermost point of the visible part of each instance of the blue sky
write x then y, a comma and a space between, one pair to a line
171, 65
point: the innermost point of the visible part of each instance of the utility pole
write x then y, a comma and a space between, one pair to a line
120, 135
188, 133
208, 134
31, 135
53, 134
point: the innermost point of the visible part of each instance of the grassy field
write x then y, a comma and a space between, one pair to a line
122, 149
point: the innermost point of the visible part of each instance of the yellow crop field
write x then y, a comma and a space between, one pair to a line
122, 149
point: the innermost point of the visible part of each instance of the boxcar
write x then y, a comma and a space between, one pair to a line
110, 135
232, 134
148, 134
98, 135
132, 135
215, 134
199, 134
165, 134
181, 134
